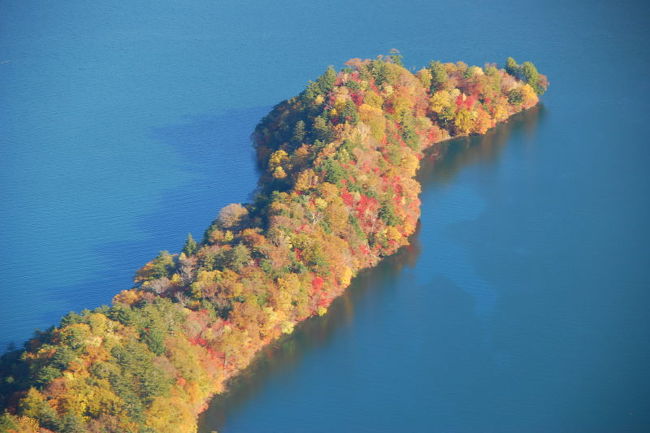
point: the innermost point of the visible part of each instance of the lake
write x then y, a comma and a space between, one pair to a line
521, 304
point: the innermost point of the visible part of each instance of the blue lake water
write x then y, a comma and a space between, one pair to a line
522, 304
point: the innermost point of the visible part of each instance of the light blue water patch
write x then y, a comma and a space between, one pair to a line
451, 210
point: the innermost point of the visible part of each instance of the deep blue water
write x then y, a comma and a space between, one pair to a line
522, 304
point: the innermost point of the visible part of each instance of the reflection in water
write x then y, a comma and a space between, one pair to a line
285, 353
441, 164
444, 162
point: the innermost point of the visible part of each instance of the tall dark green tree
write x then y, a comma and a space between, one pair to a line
321, 86
326, 81
191, 246
379, 71
349, 113
531, 76
512, 67
438, 75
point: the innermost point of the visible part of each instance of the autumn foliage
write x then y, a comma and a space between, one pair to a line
337, 194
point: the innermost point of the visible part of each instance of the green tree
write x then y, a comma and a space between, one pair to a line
191, 246
238, 256
72, 423
527, 72
162, 266
379, 71
439, 75
35, 406
387, 214
333, 171
408, 131
512, 67
298, 133
321, 130
350, 113
515, 96
139, 374
154, 337
63, 357
531, 76
7, 422
326, 81
45, 375
396, 56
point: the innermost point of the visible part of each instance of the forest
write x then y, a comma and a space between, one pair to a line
337, 192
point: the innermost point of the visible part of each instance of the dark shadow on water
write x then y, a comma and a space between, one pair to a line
216, 153
441, 164
448, 158
287, 352
216, 150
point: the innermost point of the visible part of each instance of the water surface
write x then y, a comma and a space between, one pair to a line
520, 307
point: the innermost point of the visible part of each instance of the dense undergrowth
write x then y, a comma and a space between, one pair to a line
337, 194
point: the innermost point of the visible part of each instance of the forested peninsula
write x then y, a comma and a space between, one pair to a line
337, 193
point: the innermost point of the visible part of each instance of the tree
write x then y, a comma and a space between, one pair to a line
379, 71
139, 375
527, 72
438, 75
279, 173
298, 133
191, 246
238, 256
396, 56
35, 406
162, 265
333, 171
154, 338
424, 75
531, 76
321, 87
45, 375
350, 113
515, 96
387, 213
13, 424
72, 423
321, 130
232, 216
512, 67
7, 422
326, 81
